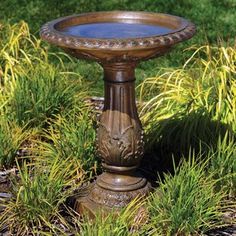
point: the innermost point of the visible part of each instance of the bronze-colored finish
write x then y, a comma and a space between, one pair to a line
120, 140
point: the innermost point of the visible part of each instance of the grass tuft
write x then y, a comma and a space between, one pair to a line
186, 203
37, 197
191, 106
11, 139
41, 95
222, 162
72, 136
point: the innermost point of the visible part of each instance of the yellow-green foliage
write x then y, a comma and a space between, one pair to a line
37, 197
32, 90
11, 139
25, 59
204, 90
42, 94
72, 136
19, 50
186, 203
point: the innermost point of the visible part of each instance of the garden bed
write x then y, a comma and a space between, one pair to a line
47, 142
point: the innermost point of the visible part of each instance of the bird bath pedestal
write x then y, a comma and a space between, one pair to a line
117, 40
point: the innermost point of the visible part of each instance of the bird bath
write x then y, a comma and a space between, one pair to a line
118, 40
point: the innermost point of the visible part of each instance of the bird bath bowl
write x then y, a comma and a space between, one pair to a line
118, 40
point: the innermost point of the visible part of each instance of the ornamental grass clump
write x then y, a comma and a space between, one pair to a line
38, 195
72, 136
41, 95
192, 105
222, 162
186, 203
11, 139
32, 90
19, 51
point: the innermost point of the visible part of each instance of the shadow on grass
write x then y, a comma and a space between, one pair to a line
196, 132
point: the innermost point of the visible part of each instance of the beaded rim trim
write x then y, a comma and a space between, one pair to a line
49, 33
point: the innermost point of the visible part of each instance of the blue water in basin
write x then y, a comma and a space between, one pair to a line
111, 30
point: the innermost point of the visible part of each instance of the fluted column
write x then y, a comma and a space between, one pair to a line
119, 140
120, 135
